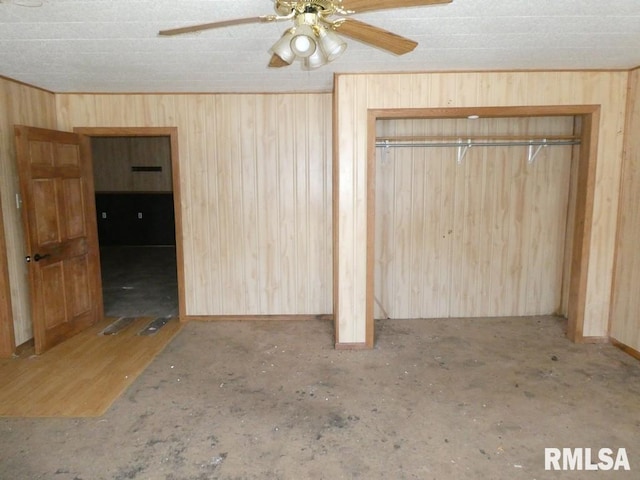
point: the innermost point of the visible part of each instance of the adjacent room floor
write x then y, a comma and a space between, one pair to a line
436, 399
139, 281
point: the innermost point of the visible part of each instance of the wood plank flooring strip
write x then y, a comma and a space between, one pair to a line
83, 376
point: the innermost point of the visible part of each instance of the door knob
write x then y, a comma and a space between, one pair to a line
37, 257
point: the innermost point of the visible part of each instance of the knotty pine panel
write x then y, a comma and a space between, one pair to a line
482, 238
19, 105
625, 322
255, 189
357, 94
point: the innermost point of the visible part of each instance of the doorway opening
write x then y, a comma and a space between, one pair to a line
138, 217
463, 258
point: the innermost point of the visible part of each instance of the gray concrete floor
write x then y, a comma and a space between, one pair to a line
436, 399
139, 281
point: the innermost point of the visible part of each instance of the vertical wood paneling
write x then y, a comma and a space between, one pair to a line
497, 224
267, 195
607, 91
256, 193
354, 99
250, 204
19, 104
350, 198
201, 176
571, 214
113, 158
301, 202
625, 321
285, 204
320, 206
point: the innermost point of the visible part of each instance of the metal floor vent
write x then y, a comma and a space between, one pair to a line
117, 326
153, 326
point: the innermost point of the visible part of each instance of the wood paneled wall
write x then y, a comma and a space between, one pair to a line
19, 104
256, 183
357, 94
482, 238
7, 336
114, 157
625, 312
256, 193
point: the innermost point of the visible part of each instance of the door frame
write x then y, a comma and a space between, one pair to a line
585, 187
7, 333
172, 133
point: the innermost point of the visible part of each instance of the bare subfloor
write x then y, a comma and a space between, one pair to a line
139, 281
436, 399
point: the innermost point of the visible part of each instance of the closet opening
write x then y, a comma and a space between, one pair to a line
482, 212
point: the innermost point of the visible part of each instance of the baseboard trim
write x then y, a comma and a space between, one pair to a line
255, 318
626, 348
593, 340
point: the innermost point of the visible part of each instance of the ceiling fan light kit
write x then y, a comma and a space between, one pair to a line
304, 42
315, 60
313, 43
331, 44
313, 38
282, 48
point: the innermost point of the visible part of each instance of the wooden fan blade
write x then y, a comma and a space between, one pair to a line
376, 36
207, 26
369, 5
277, 62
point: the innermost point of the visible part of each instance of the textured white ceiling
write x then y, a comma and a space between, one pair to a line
113, 46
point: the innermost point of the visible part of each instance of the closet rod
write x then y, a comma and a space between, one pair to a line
506, 143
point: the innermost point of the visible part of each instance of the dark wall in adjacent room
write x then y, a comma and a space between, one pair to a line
135, 218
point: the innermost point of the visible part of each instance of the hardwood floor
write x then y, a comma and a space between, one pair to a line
82, 376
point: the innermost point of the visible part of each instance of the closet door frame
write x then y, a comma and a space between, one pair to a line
582, 220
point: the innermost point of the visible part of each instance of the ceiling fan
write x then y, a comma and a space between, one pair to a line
313, 38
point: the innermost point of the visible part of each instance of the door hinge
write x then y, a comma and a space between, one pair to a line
18, 201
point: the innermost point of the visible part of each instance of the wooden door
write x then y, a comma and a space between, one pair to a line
58, 212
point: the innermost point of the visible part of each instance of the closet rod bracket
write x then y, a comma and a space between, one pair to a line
463, 149
534, 152
385, 159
